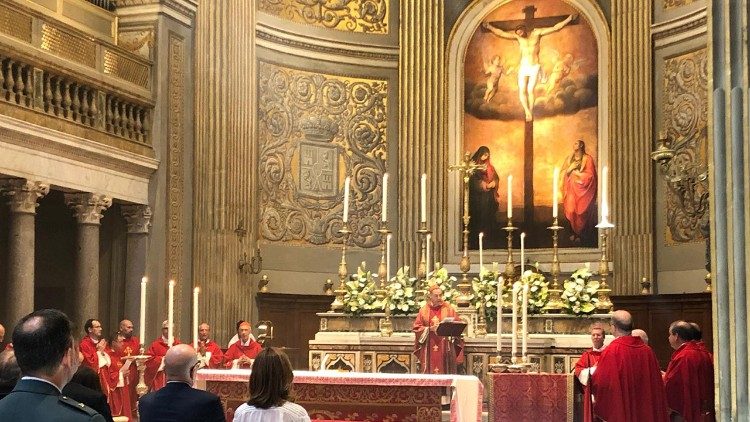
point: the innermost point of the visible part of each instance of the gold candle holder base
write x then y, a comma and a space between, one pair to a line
707, 279
605, 304
481, 330
554, 304
140, 362
338, 302
386, 326
422, 279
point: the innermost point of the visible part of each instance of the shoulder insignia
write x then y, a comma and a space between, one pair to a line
67, 401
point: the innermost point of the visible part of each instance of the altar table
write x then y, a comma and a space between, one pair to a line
531, 397
352, 396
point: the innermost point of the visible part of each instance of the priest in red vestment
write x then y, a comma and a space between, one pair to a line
118, 391
627, 383
689, 380
242, 353
154, 374
131, 346
92, 347
209, 353
579, 191
585, 367
436, 354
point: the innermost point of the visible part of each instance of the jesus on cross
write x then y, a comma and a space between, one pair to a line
528, 37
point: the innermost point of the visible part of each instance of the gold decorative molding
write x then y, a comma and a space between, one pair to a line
117, 65
15, 23
138, 42
313, 130
673, 4
685, 111
176, 164
69, 46
367, 16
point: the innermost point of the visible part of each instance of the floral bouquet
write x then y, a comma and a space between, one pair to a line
579, 293
403, 299
360, 293
446, 282
484, 290
538, 291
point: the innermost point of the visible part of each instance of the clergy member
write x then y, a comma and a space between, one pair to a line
689, 380
131, 346
92, 347
209, 353
436, 354
242, 353
154, 375
586, 366
627, 383
118, 392
640, 333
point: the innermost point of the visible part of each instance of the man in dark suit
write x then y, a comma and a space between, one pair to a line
85, 388
178, 400
44, 348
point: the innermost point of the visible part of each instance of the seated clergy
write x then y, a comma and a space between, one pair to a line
209, 353
242, 353
154, 376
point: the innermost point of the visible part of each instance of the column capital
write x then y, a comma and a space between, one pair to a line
23, 194
138, 218
87, 207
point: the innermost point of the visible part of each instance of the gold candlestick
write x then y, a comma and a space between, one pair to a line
140, 362
510, 268
481, 330
338, 302
386, 327
554, 305
422, 280
605, 304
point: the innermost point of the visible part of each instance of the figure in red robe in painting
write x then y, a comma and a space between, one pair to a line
689, 380
627, 383
436, 354
209, 353
242, 353
586, 366
154, 374
118, 387
579, 192
92, 348
483, 200
131, 346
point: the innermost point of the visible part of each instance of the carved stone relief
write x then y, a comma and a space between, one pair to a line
138, 42
685, 111
370, 16
176, 164
671, 4
313, 131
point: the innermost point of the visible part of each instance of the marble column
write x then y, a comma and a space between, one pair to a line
138, 218
87, 209
22, 197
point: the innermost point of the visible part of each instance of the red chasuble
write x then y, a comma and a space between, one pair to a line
87, 346
217, 356
131, 347
627, 383
436, 354
154, 378
588, 359
237, 350
689, 382
118, 392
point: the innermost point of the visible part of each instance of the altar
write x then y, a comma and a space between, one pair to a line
332, 395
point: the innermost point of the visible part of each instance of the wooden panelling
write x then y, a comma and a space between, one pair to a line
294, 321
654, 313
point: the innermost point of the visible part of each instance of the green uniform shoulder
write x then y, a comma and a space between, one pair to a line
68, 402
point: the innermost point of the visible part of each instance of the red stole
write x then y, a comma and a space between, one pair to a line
436, 354
237, 350
689, 383
119, 397
588, 359
217, 356
91, 359
131, 347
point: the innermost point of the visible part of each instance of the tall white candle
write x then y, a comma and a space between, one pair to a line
388, 258
423, 198
481, 260
605, 206
385, 198
499, 318
555, 177
427, 258
346, 199
142, 319
170, 314
510, 196
525, 322
196, 292
523, 252
514, 321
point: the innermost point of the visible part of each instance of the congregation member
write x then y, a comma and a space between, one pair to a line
270, 391
92, 346
435, 353
640, 333
586, 365
46, 353
154, 376
10, 373
242, 353
84, 387
627, 384
178, 400
209, 353
131, 345
689, 380
118, 388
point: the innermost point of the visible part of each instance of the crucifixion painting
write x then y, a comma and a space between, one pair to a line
531, 91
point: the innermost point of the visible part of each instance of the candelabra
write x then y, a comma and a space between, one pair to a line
510, 269
386, 327
481, 329
605, 304
338, 302
554, 305
423, 288
140, 362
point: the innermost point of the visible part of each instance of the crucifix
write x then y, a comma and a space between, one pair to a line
528, 32
465, 169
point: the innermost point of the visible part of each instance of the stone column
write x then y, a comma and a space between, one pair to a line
138, 218
87, 209
22, 200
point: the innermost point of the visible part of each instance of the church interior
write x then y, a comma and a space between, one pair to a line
317, 167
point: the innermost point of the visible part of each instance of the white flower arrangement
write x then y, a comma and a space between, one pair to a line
360, 293
446, 282
484, 291
402, 293
538, 291
579, 293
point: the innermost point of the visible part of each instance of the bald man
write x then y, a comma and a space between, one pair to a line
627, 384
640, 333
131, 345
178, 400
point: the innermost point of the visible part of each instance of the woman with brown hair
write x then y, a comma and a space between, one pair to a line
270, 386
